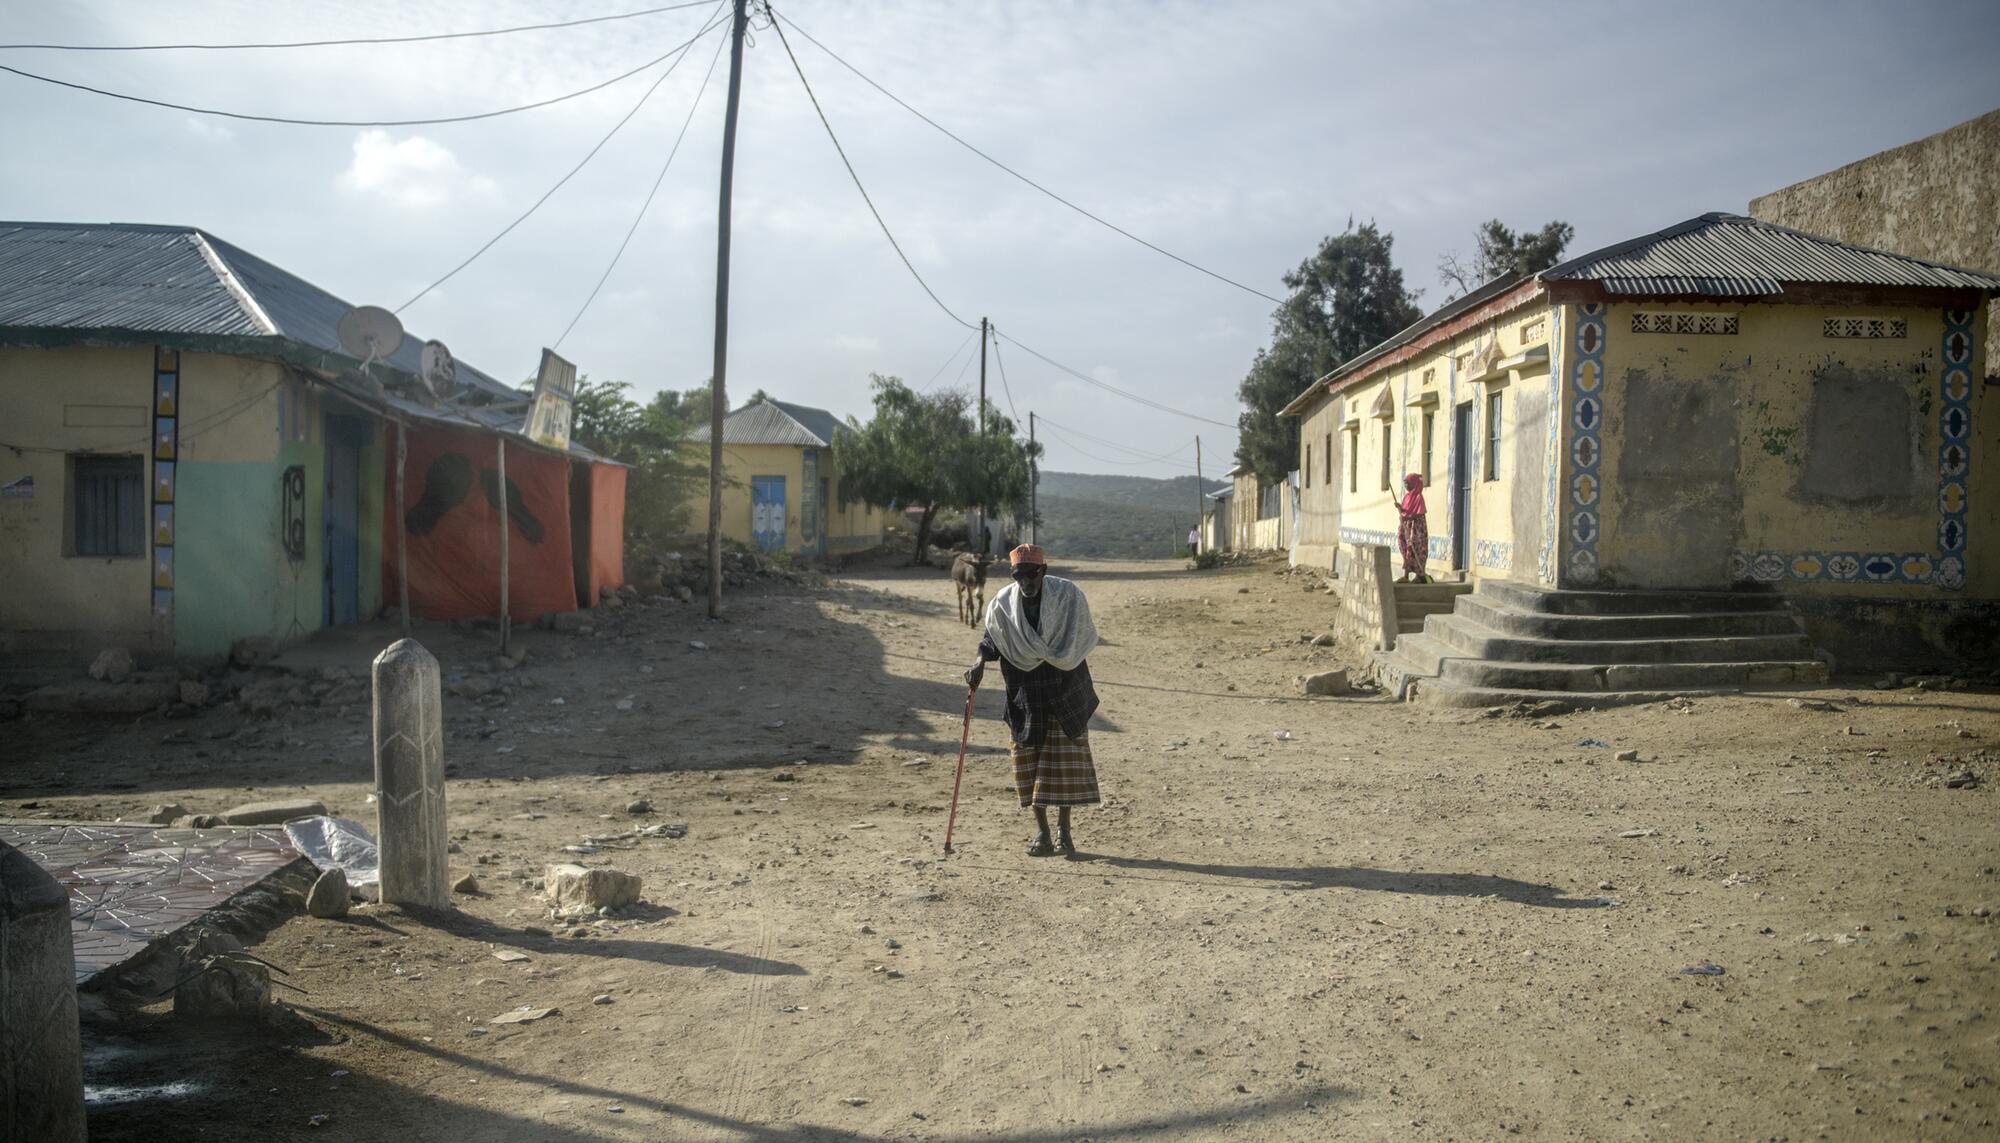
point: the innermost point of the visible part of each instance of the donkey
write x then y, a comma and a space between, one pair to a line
968, 574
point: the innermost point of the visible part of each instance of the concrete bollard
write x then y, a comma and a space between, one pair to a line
409, 777
41, 1059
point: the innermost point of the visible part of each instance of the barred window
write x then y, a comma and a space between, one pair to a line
108, 505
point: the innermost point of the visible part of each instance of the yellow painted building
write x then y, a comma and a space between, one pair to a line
1723, 404
782, 488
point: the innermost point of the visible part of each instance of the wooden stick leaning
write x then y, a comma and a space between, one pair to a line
964, 736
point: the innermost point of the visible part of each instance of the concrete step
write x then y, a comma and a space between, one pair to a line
1418, 608
1597, 677
1430, 592
1463, 636
1441, 692
1528, 597
1409, 625
1489, 612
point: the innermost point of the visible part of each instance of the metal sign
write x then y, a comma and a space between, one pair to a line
555, 394
19, 488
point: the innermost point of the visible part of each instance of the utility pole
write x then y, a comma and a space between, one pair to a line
1200, 496
1034, 485
983, 325
718, 389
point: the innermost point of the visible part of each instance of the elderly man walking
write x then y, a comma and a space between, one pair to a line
1040, 629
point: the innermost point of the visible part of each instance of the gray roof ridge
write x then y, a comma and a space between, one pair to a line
1566, 268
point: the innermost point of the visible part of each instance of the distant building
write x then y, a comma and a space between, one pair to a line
782, 488
1720, 404
188, 458
1937, 199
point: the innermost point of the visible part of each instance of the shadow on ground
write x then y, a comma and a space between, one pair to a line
1306, 877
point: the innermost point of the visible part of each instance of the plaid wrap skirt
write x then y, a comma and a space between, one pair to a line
1059, 772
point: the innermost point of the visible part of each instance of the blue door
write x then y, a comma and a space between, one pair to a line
767, 513
345, 437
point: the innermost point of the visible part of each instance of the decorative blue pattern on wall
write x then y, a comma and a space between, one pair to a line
1552, 451
1586, 420
1367, 536
1497, 554
1946, 566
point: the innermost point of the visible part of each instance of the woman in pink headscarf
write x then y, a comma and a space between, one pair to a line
1414, 536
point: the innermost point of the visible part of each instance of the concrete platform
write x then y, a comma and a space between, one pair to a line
131, 886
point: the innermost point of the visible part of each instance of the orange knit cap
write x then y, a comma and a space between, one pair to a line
1026, 554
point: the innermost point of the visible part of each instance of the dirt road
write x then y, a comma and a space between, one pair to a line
1292, 919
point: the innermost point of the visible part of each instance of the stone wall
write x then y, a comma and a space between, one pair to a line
1937, 199
1366, 622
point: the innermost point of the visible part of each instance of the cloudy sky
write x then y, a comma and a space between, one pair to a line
1233, 134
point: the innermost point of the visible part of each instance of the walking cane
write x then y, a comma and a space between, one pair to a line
964, 736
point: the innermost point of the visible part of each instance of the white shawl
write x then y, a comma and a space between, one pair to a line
1067, 635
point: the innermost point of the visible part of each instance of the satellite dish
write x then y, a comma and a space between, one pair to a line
370, 333
440, 372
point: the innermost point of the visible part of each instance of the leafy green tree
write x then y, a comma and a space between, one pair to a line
925, 448
1502, 251
1345, 299
668, 471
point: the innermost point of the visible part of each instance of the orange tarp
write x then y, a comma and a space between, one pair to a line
607, 528
451, 506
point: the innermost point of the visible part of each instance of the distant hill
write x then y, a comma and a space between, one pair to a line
1117, 517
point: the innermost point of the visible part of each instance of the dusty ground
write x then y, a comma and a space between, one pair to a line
1398, 922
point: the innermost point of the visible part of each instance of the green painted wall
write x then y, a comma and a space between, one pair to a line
231, 577
374, 498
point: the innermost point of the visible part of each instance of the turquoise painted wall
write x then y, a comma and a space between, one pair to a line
232, 579
374, 497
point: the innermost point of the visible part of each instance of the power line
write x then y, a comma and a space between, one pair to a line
1004, 387
975, 150
242, 115
907, 264
1141, 453
589, 155
1064, 438
1106, 386
648, 204
948, 361
341, 43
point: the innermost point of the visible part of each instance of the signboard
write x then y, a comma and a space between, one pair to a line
19, 488
555, 394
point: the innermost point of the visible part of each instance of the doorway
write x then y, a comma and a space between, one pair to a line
1461, 483
341, 578
579, 530
767, 513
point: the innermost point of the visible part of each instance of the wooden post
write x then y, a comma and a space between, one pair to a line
1034, 478
982, 429
402, 528
506, 623
718, 387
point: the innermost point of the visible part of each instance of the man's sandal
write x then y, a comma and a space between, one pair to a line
1041, 846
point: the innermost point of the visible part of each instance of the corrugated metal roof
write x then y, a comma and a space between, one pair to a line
769, 422
149, 279
1728, 255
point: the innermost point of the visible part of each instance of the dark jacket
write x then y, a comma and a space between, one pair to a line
1044, 697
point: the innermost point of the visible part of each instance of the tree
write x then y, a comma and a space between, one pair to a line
667, 468
925, 448
1501, 251
1345, 299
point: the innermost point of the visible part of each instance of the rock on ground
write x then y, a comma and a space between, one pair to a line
112, 665
1324, 683
329, 896
272, 813
572, 887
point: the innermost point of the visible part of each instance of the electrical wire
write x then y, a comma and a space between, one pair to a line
907, 264
1141, 453
242, 115
340, 43
1004, 387
648, 204
1064, 438
589, 155
975, 150
947, 362
1106, 386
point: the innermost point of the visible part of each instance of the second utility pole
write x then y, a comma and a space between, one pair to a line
1200, 499
983, 325
1034, 478
718, 399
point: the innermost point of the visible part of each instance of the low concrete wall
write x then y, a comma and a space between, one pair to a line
1912, 635
1367, 620
41, 1065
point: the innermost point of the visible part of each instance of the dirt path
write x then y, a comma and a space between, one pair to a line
1396, 921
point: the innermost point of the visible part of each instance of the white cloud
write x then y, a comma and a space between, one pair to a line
856, 343
414, 173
